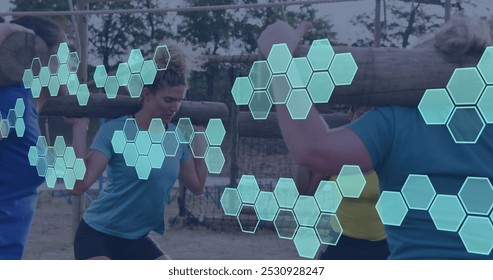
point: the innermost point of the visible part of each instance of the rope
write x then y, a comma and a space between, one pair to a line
167, 10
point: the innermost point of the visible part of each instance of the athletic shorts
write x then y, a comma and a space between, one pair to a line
348, 248
91, 243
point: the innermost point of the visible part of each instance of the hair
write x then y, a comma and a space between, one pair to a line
45, 28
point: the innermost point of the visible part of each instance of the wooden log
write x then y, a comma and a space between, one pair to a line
101, 107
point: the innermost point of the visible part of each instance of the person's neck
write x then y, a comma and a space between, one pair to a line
143, 120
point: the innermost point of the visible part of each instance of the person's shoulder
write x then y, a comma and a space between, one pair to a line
117, 123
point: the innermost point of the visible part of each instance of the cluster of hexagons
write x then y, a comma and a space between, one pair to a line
14, 120
307, 220
57, 162
296, 82
61, 70
133, 74
145, 150
466, 104
448, 212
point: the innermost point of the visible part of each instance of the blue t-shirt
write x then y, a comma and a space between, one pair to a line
128, 207
17, 177
400, 143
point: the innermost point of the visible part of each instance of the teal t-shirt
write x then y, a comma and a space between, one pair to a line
128, 207
400, 143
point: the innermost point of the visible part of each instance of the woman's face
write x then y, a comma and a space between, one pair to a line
165, 102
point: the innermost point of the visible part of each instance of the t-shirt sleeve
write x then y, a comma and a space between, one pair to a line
185, 154
102, 141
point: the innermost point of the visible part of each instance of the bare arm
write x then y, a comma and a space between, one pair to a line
193, 172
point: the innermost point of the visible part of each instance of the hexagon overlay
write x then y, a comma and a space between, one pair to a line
242, 91
266, 206
260, 75
260, 105
391, 208
465, 86
215, 132
320, 55
328, 196
306, 210
248, 189
286, 192
320, 87
476, 194
184, 129
351, 181
247, 224
485, 105
465, 125
476, 234
306, 242
279, 89
328, 229
485, 65
231, 202
279, 58
299, 104
299, 72
286, 224
435, 106
215, 160
161, 57
343, 69
418, 192
447, 212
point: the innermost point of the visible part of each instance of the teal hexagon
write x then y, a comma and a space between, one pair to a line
35, 66
54, 86
4, 128
143, 168
63, 52
20, 127
286, 192
465, 86
242, 91
143, 142
260, 105
279, 89
215, 132
50, 177
27, 78
476, 234
299, 72
260, 75
476, 194
69, 157
44, 76
60, 167
286, 224
215, 160
156, 156
170, 143
36, 88
19, 107
156, 130
41, 146
247, 223
11, 118
100, 76
73, 62
41, 166
63, 74
320, 87
135, 60
299, 104
230, 202
32, 155
118, 141
73, 84
161, 57
53, 64
343, 69
418, 192
435, 106
328, 229
266, 206
351, 181
279, 58
485, 104
135, 86
130, 154
184, 129
79, 169
69, 179
83, 95
50, 156
447, 212
306, 210
485, 65
466, 125
199, 144
328, 196
391, 208
130, 129
248, 189
148, 72
59, 146
123, 74
320, 55
306, 242
111, 87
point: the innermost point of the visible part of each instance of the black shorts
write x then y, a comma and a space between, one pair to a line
89, 243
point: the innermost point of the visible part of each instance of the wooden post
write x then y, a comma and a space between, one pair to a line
378, 24
448, 9
233, 166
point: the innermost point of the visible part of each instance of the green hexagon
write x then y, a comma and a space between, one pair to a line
118, 141
328, 229
143, 167
35, 66
230, 202
44, 76
73, 84
79, 169
286, 192
63, 52
199, 144
135, 60
63, 74
20, 127
123, 74
54, 86
60, 167
447, 213
11, 118
279, 58
73, 62
286, 224
53, 64
247, 224
465, 125
59, 146
143, 142
476, 233
306, 210
32, 155
343, 69
69, 179
391, 208
130, 154
36, 88
299, 104
50, 156
111, 87
50, 177
306, 242
215, 160
135, 86
320, 87
19, 107
260, 105
266, 206
465, 86
69, 157
299, 72
83, 95
4, 128
100, 76
130, 129
248, 189
485, 65
156, 130
242, 91
351, 181
279, 89
41, 146
476, 194
435, 106
156, 156
170, 143
485, 104
418, 192
260, 75
41, 166
215, 132
148, 72
184, 130
161, 57
27, 78
320, 55
328, 196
